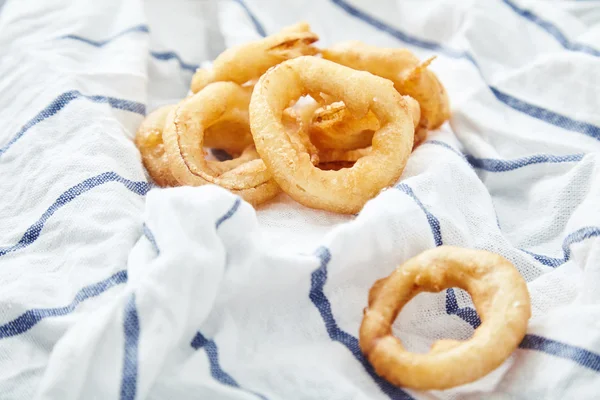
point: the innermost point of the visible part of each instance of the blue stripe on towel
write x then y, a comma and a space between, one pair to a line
434, 223
551, 117
33, 232
467, 314
169, 55
32, 317
579, 235
131, 330
576, 354
447, 146
581, 356
212, 351
501, 165
534, 111
101, 43
159, 55
321, 302
498, 165
229, 213
552, 30
150, 236
61, 102
257, 25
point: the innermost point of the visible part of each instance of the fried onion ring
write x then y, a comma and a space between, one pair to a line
501, 299
410, 76
243, 63
347, 190
184, 141
334, 127
148, 139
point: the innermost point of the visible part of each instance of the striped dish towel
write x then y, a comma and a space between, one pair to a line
115, 289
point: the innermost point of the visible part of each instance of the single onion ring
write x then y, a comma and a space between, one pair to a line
347, 190
183, 137
410, 76
148, 139
501, 299
334, 127
194, 115
243, 63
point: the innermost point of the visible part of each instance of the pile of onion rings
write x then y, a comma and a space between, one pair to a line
328, 127
332, 128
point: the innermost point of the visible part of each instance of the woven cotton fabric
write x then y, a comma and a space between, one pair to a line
115, 289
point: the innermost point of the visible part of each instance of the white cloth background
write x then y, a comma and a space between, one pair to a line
112, 289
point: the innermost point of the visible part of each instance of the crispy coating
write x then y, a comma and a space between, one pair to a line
184, 144
410, 76
148, 139
335, 153
247, 62
333, 127
346, 190
340, 136
501, 299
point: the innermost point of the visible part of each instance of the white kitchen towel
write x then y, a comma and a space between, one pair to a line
115, 289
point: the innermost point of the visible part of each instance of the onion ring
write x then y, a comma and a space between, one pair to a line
347, 190
334, 127
148, 139
501, 299
410, 76
243, 63
184, 138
